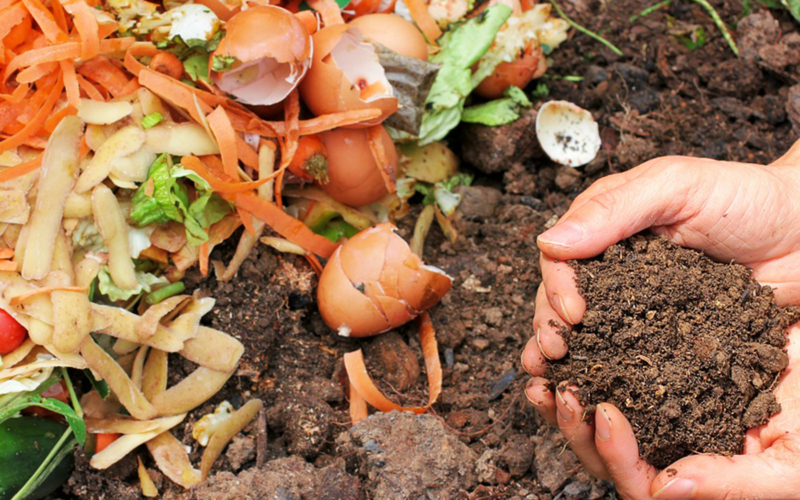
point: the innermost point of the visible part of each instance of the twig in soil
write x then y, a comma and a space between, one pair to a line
720, 24
588, 32
649, 10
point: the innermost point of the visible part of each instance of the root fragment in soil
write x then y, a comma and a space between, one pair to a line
687, 348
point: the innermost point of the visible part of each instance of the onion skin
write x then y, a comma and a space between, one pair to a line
325, 89
518, 73
374, 283
394, 33
354, 178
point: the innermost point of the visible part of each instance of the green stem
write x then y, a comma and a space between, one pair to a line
649, 10
585, 31
25, 490
76, 405
721, 25
168, 291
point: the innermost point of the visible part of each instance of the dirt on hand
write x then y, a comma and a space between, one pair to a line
689, 349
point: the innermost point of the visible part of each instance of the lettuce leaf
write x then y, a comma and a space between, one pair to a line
500, 111
461, 46
146, 281
169, 201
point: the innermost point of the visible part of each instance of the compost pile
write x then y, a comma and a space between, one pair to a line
689, 349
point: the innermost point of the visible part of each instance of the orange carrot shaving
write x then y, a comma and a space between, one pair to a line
6, 253
59, 14
10, 18
419, 13
91, 90
375, 137
289, 147
8, 265
103, 440
226, 139
51, 123
139, 49
167, 63
47, 23
219, 185
87, 27
247, 220
310, 159
105, 73
130, 87
16, 300
71, 84
314, 262
34, 73
329, 11
61, 52
174, 92
285, 225
361, 382
33, 126
358, 407
203, 256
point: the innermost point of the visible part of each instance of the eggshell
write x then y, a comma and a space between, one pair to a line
394, 33
567, 133
270, 63
354, 178
518, 73
326, 89
373, 283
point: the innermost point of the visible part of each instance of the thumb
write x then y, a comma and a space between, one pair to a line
659, 196
708, 477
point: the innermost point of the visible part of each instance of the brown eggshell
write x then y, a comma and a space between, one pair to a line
275, 60
265, 31
343, 307
325, 89
518, 73
354, 178
405, 286
394, 33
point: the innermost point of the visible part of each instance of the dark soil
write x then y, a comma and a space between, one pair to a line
689, 349
660, 98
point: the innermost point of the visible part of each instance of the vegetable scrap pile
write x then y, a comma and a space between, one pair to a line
137, 136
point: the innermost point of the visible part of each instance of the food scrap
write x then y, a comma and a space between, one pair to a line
138, 136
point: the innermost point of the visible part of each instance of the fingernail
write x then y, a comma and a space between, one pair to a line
676, 489
566, 234
564, 411
541, 349
528, 386
603, 425
564, 312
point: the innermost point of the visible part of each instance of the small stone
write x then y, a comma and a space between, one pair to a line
517, 453
568, 178
480, 343
478, 202
493, 316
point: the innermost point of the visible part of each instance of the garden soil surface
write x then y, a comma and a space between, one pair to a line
482, 440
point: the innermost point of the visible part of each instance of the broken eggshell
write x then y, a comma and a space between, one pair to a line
268, 63
373, 283
394, 33
567, 133
346, 75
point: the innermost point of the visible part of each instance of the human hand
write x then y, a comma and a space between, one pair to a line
732, 211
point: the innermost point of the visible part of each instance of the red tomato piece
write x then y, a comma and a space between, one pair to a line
12, 334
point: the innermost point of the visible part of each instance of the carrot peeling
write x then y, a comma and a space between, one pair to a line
46, 21
71, 84
419, 13
362, 383
87, 27
35, 124
329, 11
226, 139
375, 138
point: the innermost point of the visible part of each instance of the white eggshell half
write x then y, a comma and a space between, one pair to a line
567, 133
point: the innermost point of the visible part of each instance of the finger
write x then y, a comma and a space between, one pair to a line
542, 398
546, 325
561, 289
658, 198
532, 359
617, 446
603, 184
579, 432
789, 159
782, 275
707, 477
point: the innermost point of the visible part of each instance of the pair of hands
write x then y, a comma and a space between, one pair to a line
749, 214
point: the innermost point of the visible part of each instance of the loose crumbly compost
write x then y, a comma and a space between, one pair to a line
689, 349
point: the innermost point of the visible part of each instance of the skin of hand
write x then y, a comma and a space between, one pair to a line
738, 212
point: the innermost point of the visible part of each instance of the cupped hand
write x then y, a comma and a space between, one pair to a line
749, 214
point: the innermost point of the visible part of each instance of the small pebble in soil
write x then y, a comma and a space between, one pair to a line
689, 349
